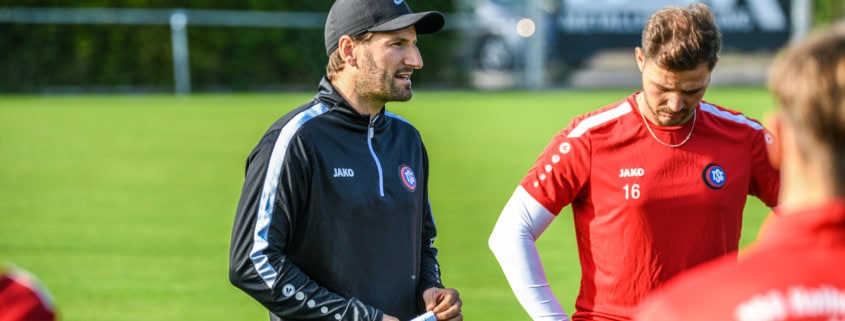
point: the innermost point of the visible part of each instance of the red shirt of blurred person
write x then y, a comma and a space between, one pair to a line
22, 298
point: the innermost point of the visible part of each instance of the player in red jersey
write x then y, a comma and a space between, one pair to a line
796, 270
22, 298
657, 182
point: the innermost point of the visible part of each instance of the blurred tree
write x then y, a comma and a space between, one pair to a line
83, 57
826, 12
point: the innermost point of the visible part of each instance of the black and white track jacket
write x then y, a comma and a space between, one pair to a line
334, 221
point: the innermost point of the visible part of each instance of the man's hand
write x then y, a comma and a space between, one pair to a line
386, 317
445, 303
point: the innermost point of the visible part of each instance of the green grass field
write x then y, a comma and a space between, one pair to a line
123, 205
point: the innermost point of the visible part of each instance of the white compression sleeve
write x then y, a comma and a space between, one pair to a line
513, 244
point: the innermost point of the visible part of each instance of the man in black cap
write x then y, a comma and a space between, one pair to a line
334, 221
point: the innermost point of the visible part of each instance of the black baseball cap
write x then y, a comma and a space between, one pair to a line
355, 17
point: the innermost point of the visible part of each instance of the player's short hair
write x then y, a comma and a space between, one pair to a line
681, 38
336, 61
808, 80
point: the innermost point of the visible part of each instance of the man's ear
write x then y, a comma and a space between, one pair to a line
640, 56
346, 46
774, 145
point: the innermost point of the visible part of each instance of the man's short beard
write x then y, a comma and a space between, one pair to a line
655, 113
378, 84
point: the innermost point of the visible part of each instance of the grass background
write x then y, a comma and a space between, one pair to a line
123, 205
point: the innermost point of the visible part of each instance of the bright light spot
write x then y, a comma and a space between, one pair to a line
525, 27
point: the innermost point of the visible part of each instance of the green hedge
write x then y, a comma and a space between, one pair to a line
826, 12
80, 57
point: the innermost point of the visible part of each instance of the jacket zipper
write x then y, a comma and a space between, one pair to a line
370, 134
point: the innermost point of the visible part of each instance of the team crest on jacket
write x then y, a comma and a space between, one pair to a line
408, 178
714, 176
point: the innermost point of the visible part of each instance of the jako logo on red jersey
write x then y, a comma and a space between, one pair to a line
631, 172
714, 176
408, 178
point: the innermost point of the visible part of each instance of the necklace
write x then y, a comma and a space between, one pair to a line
660, 141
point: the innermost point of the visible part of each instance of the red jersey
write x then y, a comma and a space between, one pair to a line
22, 299
645, 211
795, 272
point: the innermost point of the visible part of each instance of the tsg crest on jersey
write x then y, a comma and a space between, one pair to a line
714, 176
408, 178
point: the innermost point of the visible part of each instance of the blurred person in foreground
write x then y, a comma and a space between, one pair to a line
334, 221
796, 270
23, 297
657, 181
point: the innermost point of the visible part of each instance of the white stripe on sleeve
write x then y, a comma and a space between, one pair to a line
739, 118
268, 194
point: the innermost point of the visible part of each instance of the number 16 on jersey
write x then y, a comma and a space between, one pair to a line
632, 191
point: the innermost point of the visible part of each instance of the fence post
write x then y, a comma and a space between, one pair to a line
181, 64
802, 19
535, 56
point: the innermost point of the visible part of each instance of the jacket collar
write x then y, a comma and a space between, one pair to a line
332, 99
